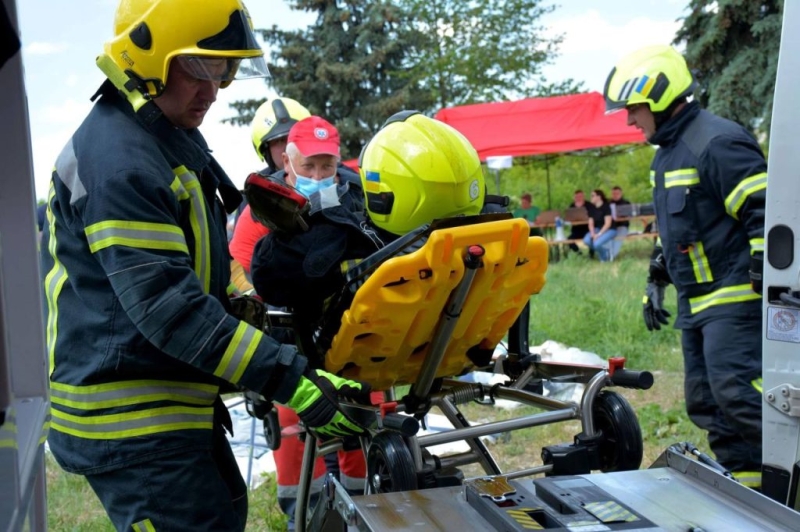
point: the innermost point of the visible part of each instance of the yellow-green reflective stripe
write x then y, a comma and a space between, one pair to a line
758, 384
239, 352
126, 393
702, 271
683, 177
120, 80
652, 178
199, 223
756, 245
144, 235
45, 430
144, 526
723, 296
8, 431
53, 283
232, 290
739, 195
130, 424
751, 479
177, 188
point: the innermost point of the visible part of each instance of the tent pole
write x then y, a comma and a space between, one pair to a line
547, 170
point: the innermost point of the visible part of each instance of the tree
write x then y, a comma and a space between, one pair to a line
349, 67
484, 50
364, 60
732, 46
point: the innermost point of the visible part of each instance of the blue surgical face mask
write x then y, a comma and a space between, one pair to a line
307, 186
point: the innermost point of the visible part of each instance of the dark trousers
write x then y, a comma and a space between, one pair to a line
722, 359
195, 490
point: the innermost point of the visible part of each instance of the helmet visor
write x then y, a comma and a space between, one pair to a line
223, 69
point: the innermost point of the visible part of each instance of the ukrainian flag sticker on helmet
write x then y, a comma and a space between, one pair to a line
373, 181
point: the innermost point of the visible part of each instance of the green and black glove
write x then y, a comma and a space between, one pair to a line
658, 278
316, 402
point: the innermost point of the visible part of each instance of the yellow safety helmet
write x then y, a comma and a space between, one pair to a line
655, 75
273, 120
417, 169
148, 34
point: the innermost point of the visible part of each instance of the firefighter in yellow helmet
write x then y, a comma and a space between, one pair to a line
709, 188
270, 127
140, 333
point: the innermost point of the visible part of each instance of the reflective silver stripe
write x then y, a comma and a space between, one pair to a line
239, 352
290, 492
53, 283
739, 195
67, 170
627, 88
136, 423
652, 178
199, 223
135, 234
352, 483
723, 296
681, 177
126, 393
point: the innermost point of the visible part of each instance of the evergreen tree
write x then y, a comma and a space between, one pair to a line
484, 50
348, 67
732, 47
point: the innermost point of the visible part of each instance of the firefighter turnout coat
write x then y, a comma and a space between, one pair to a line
136, 277
709, 187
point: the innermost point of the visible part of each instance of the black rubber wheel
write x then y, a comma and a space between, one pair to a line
272, 430
621, 446
390, 466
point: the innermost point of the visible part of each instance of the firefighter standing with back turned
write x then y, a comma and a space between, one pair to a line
136, 276
709, 188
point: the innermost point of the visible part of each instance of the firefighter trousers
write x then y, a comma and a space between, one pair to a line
198, 490
722, 360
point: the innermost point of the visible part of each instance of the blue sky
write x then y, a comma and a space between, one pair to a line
61, 40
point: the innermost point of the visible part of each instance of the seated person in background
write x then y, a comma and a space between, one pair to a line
578, 231
601, 226
622, 226
529, 212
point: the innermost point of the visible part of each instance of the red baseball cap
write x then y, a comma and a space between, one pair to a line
315, 136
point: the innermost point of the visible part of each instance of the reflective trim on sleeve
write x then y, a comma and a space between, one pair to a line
131, 424
127, 393
8, 431
45, 429
723, 296
67, 169
53, 283
189, 188
239, 352
143, 526
682, 177
231, 290
702, 270
739, 195
144, 235
756, 245
758, 384
750, 479
652, 178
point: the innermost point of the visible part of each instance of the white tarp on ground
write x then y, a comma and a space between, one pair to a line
255, 459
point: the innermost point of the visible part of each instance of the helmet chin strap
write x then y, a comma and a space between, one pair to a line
662, 116
130, 89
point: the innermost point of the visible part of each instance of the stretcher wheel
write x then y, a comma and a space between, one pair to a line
272, 430
390, 466
621, 447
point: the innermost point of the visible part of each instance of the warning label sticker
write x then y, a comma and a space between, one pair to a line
783, 324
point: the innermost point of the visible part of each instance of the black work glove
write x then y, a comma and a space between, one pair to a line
658, 267
757, 272
653, 309
316, 402
250, 309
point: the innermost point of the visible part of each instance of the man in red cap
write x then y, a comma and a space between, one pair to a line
301, 270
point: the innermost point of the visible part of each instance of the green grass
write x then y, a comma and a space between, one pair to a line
591, 305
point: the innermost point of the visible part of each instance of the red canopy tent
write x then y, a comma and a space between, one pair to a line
537, 126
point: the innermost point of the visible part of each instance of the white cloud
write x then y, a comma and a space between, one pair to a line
68, 112
592, 44
45, 48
